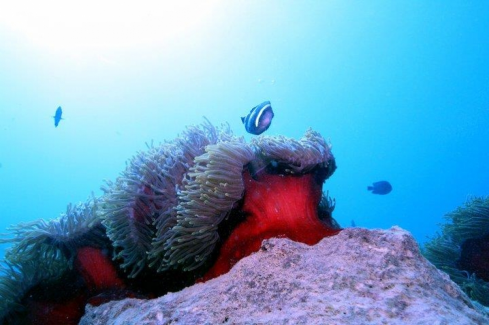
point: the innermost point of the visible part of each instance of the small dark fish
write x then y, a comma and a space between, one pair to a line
57, 116
259, 118
353, 224
381, 187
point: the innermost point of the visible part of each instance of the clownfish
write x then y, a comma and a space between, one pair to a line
259, 118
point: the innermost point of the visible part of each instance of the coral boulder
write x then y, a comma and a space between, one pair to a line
359, 276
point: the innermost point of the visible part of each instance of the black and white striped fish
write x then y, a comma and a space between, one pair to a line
259, 118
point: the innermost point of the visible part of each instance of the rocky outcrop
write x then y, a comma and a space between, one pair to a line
359, 276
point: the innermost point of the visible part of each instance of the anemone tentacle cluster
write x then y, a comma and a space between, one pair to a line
214, 184
462, 248
164, 209
298, 156
165, 212
42, 251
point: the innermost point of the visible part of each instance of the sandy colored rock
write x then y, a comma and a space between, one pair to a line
357, 277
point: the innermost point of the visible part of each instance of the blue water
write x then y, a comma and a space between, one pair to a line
401, 89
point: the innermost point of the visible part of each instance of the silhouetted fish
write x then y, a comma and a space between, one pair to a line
57, 116
259, 118
381, 187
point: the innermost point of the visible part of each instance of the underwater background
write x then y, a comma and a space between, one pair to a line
400, 88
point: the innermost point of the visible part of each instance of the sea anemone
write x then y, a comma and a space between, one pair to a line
146, 205
211, 188
282, 197
462, 248
43, 252
183, 210
57, 238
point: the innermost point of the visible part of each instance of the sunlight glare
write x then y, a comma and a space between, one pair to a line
69, 26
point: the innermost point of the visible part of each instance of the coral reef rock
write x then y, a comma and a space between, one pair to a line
359, 276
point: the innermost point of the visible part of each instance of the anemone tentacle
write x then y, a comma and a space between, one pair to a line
16, 279
40, 239
43, 251
214, 184
139, 207
467, 223
14, 283
298, 156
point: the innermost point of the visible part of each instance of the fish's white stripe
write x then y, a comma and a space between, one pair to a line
257, 120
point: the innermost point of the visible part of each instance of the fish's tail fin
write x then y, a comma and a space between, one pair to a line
370, 188
242, 119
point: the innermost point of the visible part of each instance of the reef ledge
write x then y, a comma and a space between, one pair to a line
359, 276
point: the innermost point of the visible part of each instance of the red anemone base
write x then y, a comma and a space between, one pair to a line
275, 206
